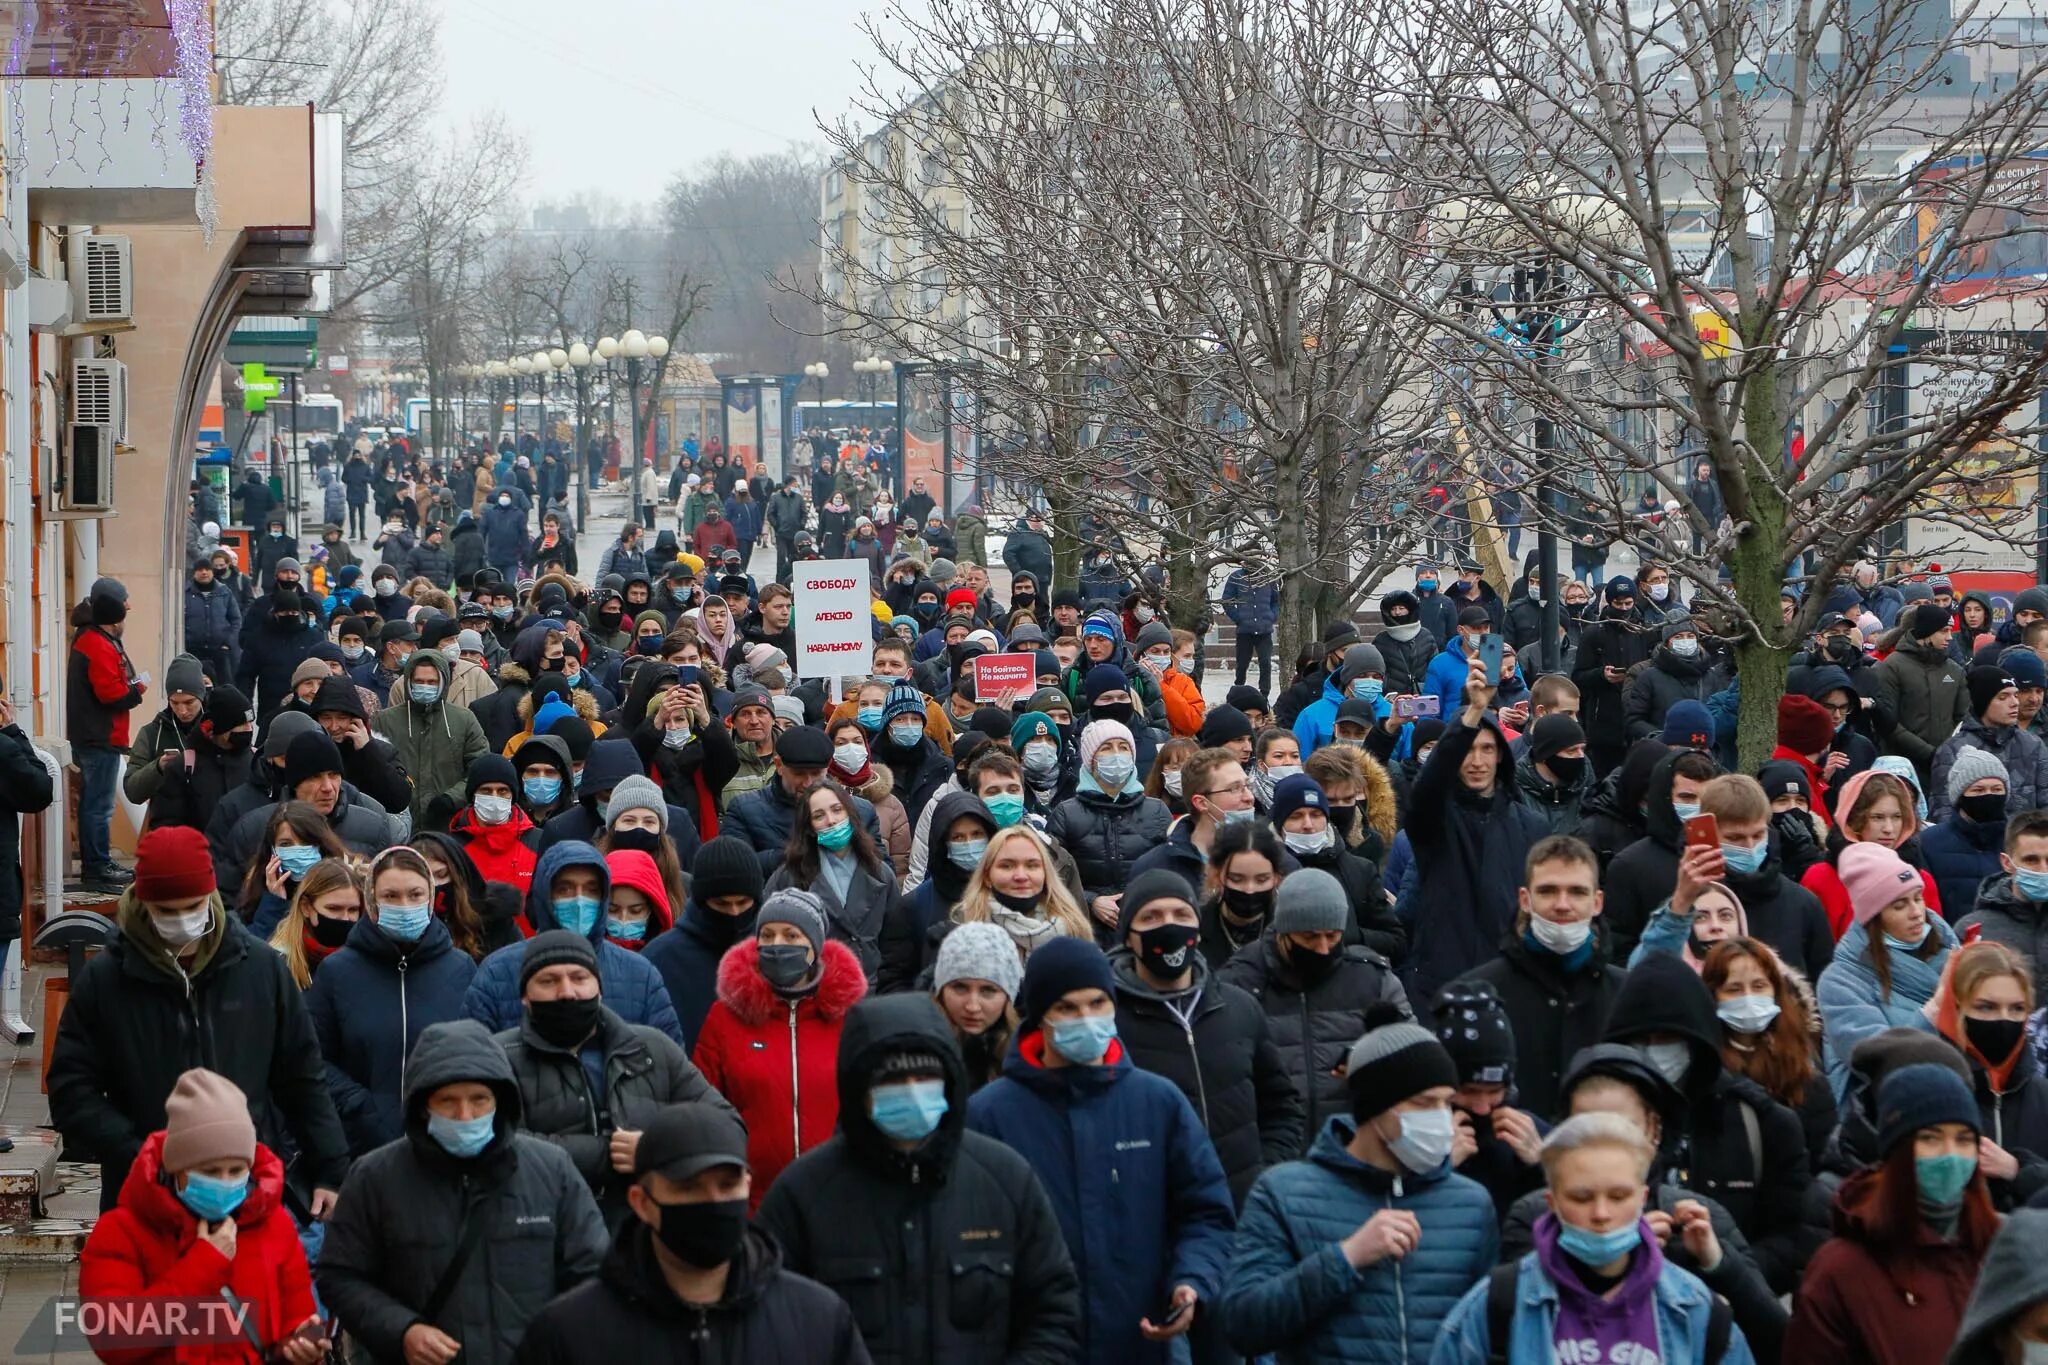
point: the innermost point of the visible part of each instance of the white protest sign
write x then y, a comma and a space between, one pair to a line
834, 618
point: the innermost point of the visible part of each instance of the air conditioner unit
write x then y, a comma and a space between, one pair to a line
86, 481
99, 395
102, 273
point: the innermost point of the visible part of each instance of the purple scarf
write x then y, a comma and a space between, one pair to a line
1591, 1327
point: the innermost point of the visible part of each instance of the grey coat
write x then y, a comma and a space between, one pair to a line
2024, 755
1924, 689
857, 921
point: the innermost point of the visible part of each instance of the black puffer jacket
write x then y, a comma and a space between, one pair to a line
1667, 681
1106, 834
2003, 915
644, 1069
400, 1216
1406, 660
1642, 876
1314, 1024
1554, 1013
1223, 1059
1562, 807
947, 1252
1374, 922
1735, 1142
431, 562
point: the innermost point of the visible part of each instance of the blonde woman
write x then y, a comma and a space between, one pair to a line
1014, 888
323, 912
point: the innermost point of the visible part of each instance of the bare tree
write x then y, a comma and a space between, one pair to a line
1792, 246
737, 226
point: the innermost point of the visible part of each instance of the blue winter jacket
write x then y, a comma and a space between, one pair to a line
745, 518
1960, 854
1446, 676
1684, 1307
631, 987
504, 529
1136, 1185
1317, 723
1292, 1293
368, 1013
1853, 1006
1253, 608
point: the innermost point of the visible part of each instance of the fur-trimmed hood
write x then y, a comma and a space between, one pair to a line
745, 992
1379, 801
585, 704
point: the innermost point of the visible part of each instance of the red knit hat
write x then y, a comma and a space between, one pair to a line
1804, 725
172, 863
631, 867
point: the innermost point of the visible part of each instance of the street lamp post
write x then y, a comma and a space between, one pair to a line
579, 357
820, 371
608, 351
522, 366
872, 370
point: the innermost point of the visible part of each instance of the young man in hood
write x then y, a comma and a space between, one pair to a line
1641, 876
903, 1183
435, 740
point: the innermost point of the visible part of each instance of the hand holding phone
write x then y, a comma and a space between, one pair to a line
1702, 831
1490, 649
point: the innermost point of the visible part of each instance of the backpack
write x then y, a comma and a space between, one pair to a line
1500, 1313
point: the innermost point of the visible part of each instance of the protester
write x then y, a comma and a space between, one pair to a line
1888, 964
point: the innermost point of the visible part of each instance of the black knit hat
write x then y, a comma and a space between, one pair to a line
1160, 884
226, 707
1396, 1058
1473, 1026
310, 755
552, 948
1985, 683
725, 866
1552, 735
1222, 724
489, 768
1920, 1096
1929, 620
1061, 965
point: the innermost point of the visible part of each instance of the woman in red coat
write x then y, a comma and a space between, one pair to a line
770, 1044
200, 1218
493, 829
1910, 1234
1875, 807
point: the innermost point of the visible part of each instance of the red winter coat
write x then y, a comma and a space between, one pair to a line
501, 852
713, 535
148, 1246
1872, 1306
776, 1061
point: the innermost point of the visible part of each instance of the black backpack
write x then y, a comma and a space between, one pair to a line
1500, 1314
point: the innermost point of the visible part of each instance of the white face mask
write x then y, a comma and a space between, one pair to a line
179, 930
1170, 779
1658, 591
1670, 1060
1406, 631
850, 757
493, 810
1562, 939
1309, 843
1425, 1140
1684, 646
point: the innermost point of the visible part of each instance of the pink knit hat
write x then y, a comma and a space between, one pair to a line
1874, 877
205, 1119
1097, 732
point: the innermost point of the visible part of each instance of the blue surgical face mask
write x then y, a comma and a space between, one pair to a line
1368, 689
1007, 808
1942, 1179
425, 694
404, 922
1595, 1249
906, 734
1041, 757
628, 930
836, 836
1686, 809
966, 856
869, 718
298, 859
210, 1198
542, 791
1114, 770
1235, 817
1903, 946
1083, 1040
2032, 885
908, 1111
577, 914
462, 1137
1745, 860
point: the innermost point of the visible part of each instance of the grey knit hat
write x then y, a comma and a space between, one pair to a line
636, 793
1360, 660
979, 952
187, 675
800, 908
1309, 901
1974, 765
1395, 1059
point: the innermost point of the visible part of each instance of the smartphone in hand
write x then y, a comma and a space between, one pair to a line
686, 675
1702, 831
1490, 647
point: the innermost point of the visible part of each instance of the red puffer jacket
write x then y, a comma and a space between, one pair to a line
777, 1060
502, 853
148, 1246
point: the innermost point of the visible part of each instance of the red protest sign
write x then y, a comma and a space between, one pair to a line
1004, 679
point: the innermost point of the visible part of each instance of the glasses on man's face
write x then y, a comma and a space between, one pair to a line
1839, 708
1234, 789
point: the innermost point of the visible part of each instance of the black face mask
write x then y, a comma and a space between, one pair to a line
287, 622
1023, 905
611, 619
784, 965
646, 840
1986, 809
1342, 819
1841, 647
1619, 613
1247, 904
1567, 769
648, 645
1119, 711
329, 932
564, 1023
1166, 947
207, 586
551, 665
1311, 964
703, 1235
1994, 1039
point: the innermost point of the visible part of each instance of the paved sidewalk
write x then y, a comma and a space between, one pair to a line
38, 1261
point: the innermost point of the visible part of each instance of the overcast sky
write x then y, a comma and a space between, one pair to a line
614, 96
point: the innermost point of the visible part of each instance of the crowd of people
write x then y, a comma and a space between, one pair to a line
521, 963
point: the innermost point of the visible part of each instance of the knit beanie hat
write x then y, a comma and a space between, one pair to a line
1153, 634
309, 670
1396, 1058
553, 948
489, 768
800, 908
979, 952
187, 676
1474, 1028
636, 793
1100, 679
1310, 901
1874, 877
173, 863
1551, 735
1032, 725
1986, 682
907, 1062
1929, 620
1244, 697
311, 755
631, 867
1102, 623
2024, 667
1621, 585
1099, 732
1974, 765
1359, 661
1679, 625
206, 1119
725, 866
1920, 1096
1687, 725
903, 700
1782, 775
1059, 965
1804, 725
1159, 884
1299, 792
226, 707
1221, 724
